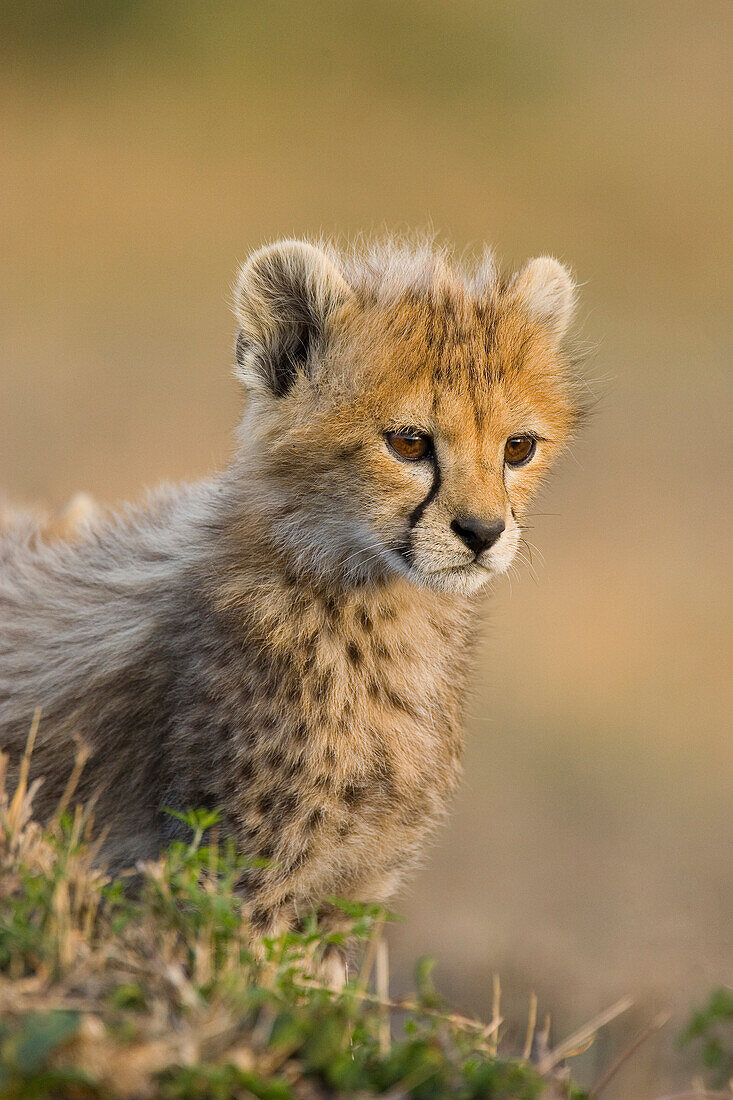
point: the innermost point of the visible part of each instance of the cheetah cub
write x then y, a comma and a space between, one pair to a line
290, 640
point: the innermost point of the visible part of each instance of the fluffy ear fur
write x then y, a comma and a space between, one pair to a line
285, 296
547, 291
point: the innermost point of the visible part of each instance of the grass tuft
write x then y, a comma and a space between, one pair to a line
152, 984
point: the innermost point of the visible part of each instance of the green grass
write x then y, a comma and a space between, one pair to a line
710, 1029
152, 984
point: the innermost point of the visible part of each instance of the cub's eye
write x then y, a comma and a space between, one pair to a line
413, 446
519, 449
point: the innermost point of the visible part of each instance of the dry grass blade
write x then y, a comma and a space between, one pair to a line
581, 1039
370, 956
14, 815
409, 1004
651, 1029
492, 1032
82, 755
531, 1027
382, 986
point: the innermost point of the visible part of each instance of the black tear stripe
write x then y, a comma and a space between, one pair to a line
405, 551
417, 513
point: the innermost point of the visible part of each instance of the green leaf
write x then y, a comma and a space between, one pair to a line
40, 1037
128, 995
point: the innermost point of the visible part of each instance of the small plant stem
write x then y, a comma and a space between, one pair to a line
80, 760
382, 985
14, 812
496, 1020
531, 1025
657, 1023
584, 1036
370, 955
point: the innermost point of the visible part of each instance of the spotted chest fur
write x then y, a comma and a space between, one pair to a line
343, 743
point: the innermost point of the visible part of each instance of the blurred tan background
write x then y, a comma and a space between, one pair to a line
147, 147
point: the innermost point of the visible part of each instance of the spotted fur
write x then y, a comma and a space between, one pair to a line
290, 641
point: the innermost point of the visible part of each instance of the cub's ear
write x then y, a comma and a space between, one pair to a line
285, 297
547, 292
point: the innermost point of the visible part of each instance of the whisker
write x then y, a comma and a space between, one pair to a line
374, 553
538, 552
524, 554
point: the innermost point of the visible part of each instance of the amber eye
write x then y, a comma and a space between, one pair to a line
413, 446
519, 449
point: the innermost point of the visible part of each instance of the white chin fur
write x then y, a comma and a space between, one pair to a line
463, 579
470, 578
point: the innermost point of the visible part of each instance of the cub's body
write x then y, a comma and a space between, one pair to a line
325, 723
290, 641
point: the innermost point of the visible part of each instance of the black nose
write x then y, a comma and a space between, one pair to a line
476, 534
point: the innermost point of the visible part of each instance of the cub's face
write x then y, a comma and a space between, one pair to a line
402, 423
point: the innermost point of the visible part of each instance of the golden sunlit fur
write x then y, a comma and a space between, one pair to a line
69, 523
410, 340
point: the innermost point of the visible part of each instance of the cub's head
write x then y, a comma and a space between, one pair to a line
402, 410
